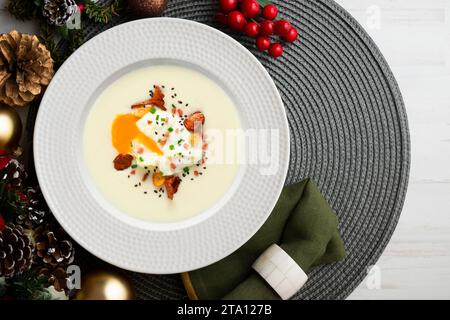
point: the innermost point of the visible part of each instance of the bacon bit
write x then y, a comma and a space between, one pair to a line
186, 146
194, 120
174, 110
133, 172
163, 142
149, 121
180, 112
140, 150
203, 160
177, 130
173, 166
122, 161
205, 146
172, 183
196, 173
158, 179
157, 100
145, 177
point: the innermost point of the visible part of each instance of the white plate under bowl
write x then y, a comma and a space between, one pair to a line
105, 231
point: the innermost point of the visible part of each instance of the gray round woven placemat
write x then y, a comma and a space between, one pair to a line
348, 129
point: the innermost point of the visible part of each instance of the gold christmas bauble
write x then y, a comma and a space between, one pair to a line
10, 128
105, 285
147, 8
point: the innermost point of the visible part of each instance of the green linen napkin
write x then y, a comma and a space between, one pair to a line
302, 223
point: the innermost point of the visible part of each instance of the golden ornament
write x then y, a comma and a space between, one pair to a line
105, 285
147, 8
10, 128
25, 68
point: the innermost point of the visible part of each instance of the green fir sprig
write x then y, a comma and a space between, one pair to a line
29, 286
103, 14
25, 9
62, 41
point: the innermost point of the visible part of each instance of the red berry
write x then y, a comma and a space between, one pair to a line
222, 18
250, 8
81, 7
270, 12
228, 5
4, 161
2, 223
236, 20
291, 36
252, 29
276, 50
267, 27
282, 27
262, 43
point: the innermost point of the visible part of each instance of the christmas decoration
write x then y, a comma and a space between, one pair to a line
59, 12
256, 19
34, 211
105, 285
35, 248
57, 277
25, 68
103, 14
54, 19
53, 247
2, 223
147, 8
15, 251
10, 128
12, 176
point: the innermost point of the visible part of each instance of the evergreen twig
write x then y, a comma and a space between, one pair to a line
29, 285
103, 14
24, 9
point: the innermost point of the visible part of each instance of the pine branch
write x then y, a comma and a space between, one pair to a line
24, 9
10, 203
29, 285
103, 13
47, 37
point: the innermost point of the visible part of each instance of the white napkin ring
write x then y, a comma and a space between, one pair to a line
280, 271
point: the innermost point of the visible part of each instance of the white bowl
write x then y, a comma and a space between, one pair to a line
91, 220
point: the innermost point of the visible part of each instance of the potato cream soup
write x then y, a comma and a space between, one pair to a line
147, 145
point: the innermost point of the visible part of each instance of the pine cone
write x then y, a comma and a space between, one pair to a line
15, 251
57, 277
13, 174
59, 12
25, 67
34, 209
53, 246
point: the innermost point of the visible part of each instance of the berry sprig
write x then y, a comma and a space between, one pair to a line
246, 16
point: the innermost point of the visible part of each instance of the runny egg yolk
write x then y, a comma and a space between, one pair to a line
124, 131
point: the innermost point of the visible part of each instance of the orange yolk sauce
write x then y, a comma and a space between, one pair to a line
125, 130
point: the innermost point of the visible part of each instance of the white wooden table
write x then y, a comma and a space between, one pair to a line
414, 36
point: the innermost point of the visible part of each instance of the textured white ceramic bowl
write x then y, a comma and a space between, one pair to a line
89, 218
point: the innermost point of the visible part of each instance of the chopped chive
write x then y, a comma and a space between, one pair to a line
152, 110
180, 141
186, 169
171, 147
170, 129
141, 159
134, 166
157, 117
173, 106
